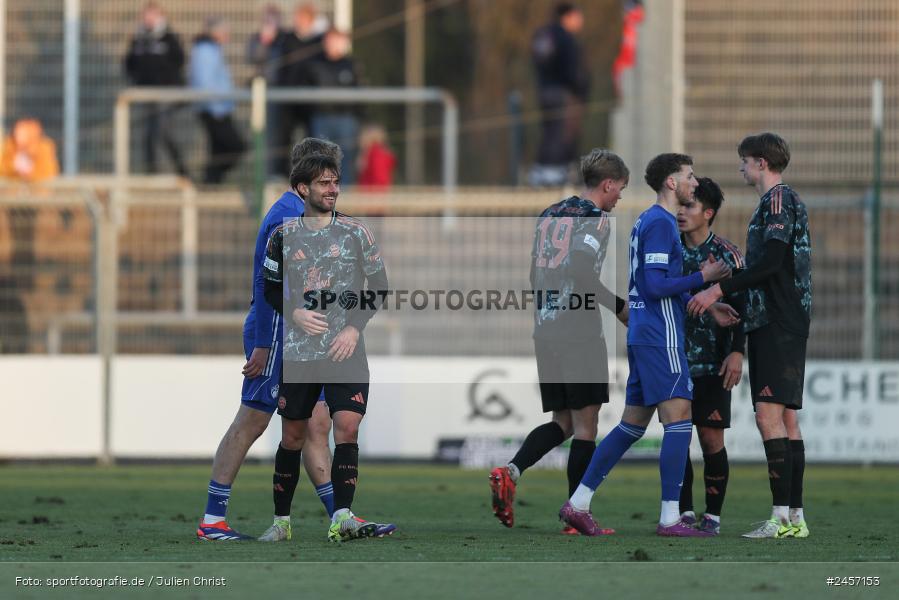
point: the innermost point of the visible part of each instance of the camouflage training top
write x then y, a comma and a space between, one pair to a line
785, 297
707, 344
335, 259
569, 226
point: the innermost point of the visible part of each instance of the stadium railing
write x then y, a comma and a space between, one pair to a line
175, 262
361, 95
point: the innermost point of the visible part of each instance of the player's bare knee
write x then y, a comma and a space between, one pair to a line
761, 422
675, 410
710, 440
346, 431
585, 429
770, 427
791, 422
562, 418
317, 433
254, 428
249, 423
293, 434
292, 442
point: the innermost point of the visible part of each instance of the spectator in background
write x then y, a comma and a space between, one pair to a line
155, 58
302, 47
28, 154
562, 88
376, 162
336, 122
210, 72
265, 52
265, 49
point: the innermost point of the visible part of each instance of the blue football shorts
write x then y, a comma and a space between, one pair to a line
657, 374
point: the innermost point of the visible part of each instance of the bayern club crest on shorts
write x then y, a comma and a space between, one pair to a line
275, 391
282, 402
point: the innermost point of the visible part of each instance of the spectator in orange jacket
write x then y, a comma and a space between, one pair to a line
29, 155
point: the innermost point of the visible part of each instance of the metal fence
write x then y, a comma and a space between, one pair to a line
35, 54
802, 68
179, 279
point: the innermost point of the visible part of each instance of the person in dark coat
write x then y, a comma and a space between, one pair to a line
265, 52
155, 58
562, 90
337, 122
301, 48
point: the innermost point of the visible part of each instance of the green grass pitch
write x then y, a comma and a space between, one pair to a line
60, 515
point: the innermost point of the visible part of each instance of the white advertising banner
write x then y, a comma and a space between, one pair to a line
51, 406
850, 411
176, 406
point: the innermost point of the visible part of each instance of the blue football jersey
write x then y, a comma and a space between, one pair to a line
261, 324
655, 244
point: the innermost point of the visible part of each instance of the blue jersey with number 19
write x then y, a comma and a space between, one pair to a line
655, 244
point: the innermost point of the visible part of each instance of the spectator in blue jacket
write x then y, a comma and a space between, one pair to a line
209, 71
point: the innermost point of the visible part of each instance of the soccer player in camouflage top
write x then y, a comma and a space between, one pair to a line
570, 243
321, 263
778, 280
714, 353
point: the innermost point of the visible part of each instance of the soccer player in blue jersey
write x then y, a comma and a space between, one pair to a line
659, 378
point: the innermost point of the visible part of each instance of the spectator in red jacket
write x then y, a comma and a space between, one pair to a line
376, 162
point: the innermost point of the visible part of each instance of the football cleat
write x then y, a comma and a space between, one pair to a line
382, 529
710, 525
681, 529
502, 489
347, 527
771, 528
800, 529
688, 517
569, 530
278, 532
581, 521
219, 532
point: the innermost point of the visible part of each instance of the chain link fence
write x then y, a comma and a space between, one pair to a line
184, 265
34, 70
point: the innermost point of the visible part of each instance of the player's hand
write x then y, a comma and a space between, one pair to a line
732, 370
714, 270
344, 344
703, 300
724, 314
311, 322
624, 314
256, 364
